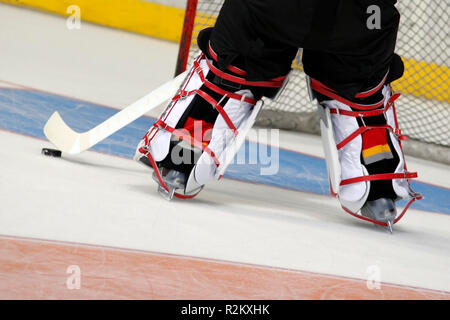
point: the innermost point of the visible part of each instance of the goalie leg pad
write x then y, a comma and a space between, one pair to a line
206, 120
357, 150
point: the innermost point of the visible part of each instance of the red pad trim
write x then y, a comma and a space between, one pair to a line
196, 127
374, 141
361, 130
186, 137
219, 108
414, 198
374, 90
213, 103
323, 89
234, 69
370, 113
211, 100
381, 176
274, 83
229, 94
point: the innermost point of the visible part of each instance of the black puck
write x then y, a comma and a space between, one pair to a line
51, 152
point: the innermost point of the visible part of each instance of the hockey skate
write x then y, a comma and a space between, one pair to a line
382, 210
171, 182
173, 179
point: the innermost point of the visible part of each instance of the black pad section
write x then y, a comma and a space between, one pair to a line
188, 158
381, 188
201, 109
198, 109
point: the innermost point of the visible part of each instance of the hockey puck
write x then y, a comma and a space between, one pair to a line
51, 152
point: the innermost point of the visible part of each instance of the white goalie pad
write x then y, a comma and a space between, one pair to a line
223, 142
346, 163
351, 196
160, 144
237, 141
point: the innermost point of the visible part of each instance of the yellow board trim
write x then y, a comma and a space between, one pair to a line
138, 16
426, 80
421, 79
375, 150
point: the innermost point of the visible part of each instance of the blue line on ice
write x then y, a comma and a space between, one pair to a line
26, 111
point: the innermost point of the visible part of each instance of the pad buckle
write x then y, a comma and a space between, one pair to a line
361, 116
220, 101
161, 125
183, 94
230, 84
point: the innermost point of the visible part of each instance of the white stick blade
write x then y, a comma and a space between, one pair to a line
69, 141
237, 142
61, 135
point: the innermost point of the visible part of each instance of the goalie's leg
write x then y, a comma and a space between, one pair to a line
362, 140
202, 128
365, 161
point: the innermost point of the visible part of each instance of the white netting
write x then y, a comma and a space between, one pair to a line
423, 110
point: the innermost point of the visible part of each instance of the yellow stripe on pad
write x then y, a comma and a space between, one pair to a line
375, 150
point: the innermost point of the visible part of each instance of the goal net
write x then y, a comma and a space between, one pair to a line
424, 107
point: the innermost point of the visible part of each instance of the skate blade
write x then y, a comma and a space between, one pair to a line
389, 226
168, 195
